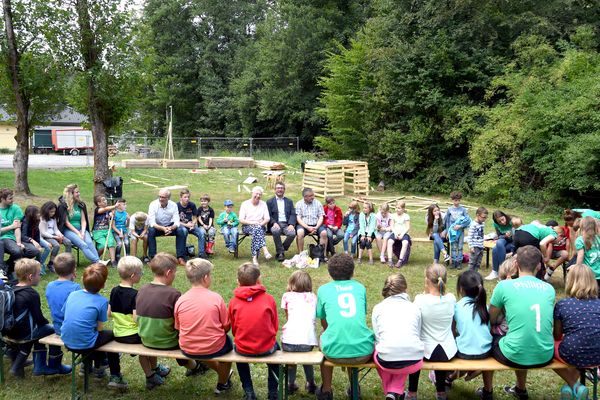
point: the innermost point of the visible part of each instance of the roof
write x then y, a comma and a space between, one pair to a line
67, 117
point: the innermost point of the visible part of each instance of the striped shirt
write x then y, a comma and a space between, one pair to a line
476, 234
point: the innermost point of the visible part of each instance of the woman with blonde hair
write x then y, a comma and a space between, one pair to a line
73, 221
577, 328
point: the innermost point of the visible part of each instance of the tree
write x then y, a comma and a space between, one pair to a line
99, 51
30, 73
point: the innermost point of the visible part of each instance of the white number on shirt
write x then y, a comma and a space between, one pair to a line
538, 325
347, 304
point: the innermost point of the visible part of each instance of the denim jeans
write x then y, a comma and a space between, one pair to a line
121, 243
273, 373
438, 246
499, 252
230, 235
196, 231
309, 371
86, 245
180, 237
354, 241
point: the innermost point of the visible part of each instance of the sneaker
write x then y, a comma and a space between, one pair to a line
566, 392
98, 373
390, 264
273, 395
447, 258
268, 255
280, 257
323, 395
310, 387
255, 261
516, 392
146, 259
392, 396
199, 369
580, 391
154, 380
493, 275
249, 396
382, 259
432, 377
231, 250
223, 387
162, 370
292, 388
51, 267
484, 394
117, 382
370, 262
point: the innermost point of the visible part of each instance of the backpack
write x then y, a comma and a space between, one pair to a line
7, 301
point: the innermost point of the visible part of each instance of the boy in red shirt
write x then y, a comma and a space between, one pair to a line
254, 324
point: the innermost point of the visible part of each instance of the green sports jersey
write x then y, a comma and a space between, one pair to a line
75, 219
591, 257
528, 304
539, 231
7, 216
343, 304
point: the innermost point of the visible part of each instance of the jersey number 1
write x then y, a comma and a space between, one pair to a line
538, 324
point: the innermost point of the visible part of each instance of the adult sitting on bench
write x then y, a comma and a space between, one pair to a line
528, 305
283, 220
254, 217
309, 214
163, 220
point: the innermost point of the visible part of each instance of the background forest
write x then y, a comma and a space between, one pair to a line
500, 99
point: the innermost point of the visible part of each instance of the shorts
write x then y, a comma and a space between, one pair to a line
131, 339
100, 238
137, 232
351, 360
497, 354
556, 253
227, 347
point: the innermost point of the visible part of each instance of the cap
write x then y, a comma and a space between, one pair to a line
228, 203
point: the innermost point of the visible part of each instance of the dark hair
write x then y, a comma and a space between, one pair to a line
5, 193
341, 267
31, 216
94, 277
570, 215
552, 223
46, 208
456, 195
528, 258
471, 284
497, 214
481, 211
431, 220
64, 264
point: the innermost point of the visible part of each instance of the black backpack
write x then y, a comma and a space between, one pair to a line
7, 300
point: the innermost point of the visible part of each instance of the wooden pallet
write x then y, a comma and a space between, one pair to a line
337, 178
270, 165
143, 163
229, 162
181, 164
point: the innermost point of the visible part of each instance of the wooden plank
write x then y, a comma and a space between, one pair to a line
181, 164
143, 183
144, 163
229, 162
270, 165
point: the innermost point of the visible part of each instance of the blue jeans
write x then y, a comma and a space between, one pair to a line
230, 235
180, 237
196, 231
456, 249
122, 242
438, 246
309, 371
86, 245
273, 373
499, 252
354, 241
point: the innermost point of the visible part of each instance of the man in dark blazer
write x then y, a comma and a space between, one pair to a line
283, 220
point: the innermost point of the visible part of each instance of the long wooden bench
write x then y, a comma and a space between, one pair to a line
279, 357
457, 364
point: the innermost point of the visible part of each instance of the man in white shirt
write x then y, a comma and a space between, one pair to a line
163, 220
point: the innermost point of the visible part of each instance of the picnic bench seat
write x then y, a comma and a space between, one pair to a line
279, 357
458, 364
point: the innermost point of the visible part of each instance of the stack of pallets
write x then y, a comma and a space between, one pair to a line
337, 178
143, 163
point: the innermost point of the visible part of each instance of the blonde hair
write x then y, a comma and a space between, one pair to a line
162, 262
385, 207
436, 274
197, 268
508, 268
300, 281
370, 205
353, 205
516, 222
401, 204
581, 283
128, 266
68, 197
25, 267
394, 284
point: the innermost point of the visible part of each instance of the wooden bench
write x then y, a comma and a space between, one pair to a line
457, 364
279, 357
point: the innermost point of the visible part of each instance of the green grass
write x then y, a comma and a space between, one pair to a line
222, 184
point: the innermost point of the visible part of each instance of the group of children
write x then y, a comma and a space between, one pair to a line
519, 329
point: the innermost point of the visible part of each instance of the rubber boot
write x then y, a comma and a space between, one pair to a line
12, 352
55, 364
39, 363
18, 365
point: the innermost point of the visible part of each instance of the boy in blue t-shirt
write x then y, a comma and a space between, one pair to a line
119, 227
59, 290
85, 313
456, 220
342, 308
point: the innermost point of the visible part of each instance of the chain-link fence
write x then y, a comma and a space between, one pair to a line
195, 147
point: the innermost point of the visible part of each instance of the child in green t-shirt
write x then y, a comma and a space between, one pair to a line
342, 308
228, 221
587, 246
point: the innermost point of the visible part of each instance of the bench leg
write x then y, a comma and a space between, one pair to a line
85, 362
282, 388
2, 352
354, 383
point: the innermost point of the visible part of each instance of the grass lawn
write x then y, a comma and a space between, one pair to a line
222, 184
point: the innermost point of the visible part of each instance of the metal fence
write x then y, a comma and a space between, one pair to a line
194, 147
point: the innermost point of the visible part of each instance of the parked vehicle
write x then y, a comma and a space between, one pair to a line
67, 141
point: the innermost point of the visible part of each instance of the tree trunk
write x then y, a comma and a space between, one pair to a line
90, 53
22, 102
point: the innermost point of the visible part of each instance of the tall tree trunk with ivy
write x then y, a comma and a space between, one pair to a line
22, 103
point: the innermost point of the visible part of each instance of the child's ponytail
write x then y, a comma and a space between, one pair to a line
470, 283
436, 274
